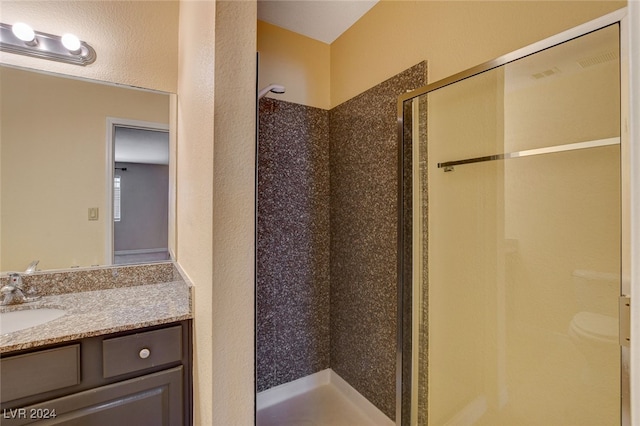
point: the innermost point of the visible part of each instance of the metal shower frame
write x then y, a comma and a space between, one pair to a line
616, 17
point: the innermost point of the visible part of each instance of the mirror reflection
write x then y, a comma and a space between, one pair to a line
61, 140
140, 193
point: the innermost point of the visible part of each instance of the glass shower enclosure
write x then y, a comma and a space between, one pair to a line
513, 257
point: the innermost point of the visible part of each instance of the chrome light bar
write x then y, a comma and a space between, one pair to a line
45, 46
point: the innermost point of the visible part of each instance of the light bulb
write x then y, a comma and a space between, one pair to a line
71, 43
24, 33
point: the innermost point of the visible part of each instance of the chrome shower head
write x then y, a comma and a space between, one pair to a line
275, 88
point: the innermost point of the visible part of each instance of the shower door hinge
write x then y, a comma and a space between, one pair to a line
625, 320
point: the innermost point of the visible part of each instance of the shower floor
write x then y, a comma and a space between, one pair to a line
324, 405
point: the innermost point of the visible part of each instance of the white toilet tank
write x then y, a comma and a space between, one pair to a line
596, 292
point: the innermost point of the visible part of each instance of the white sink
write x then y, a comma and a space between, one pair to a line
26, 318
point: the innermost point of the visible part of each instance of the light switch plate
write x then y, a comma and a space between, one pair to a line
93, 213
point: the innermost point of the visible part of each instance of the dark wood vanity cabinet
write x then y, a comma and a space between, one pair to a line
139, 377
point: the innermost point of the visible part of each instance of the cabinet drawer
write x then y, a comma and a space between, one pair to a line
38, 372
127, 354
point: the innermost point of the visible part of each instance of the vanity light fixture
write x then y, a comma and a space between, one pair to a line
24, 33
19, 38
71, 43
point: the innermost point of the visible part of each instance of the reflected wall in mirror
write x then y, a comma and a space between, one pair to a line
54, 165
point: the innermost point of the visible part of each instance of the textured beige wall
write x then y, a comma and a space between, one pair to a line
135, 41
299, 63
234, 213
195, 185
216, 201
53, 142
451, 35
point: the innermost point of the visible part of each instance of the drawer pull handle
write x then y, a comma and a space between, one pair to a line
144, 353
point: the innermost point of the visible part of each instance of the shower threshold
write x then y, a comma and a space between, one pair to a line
322, 399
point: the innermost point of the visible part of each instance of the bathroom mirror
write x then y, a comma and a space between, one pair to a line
57, 169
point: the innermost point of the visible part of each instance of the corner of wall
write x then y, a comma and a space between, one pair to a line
298, 62
194, 195
233, 213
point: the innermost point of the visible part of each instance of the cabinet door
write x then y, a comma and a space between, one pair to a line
38, 372
153, 400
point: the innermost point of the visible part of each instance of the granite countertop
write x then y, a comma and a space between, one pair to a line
103, 311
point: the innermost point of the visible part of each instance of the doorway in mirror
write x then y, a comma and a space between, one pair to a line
140, 192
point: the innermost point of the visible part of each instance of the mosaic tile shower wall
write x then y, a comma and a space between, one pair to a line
293, 242
327, 240
364, 212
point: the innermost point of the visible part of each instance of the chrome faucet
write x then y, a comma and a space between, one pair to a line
14, 293
32, 267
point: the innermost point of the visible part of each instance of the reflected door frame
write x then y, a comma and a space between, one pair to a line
112, 123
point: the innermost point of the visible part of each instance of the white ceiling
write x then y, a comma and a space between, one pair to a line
322, 20
141, 146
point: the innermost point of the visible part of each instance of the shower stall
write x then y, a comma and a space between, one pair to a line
514, 257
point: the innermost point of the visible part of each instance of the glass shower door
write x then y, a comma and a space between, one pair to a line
524, 249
